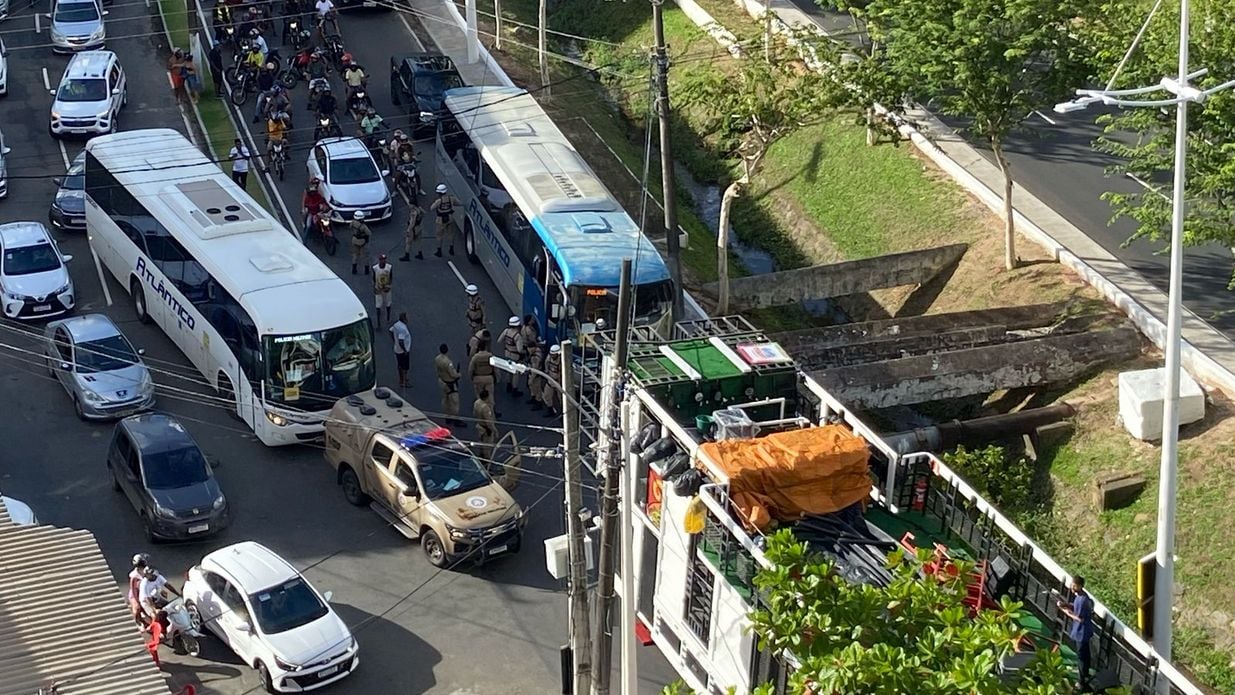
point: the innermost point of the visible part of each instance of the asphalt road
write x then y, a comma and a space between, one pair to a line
1055, 161
494, 629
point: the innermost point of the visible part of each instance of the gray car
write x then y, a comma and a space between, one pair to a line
154, 461
76, 25
96, 364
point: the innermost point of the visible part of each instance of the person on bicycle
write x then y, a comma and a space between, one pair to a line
312, 206
354, 75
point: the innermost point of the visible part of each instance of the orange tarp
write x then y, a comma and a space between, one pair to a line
786, 475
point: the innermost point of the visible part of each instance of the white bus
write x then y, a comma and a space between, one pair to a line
538, 218
267, 324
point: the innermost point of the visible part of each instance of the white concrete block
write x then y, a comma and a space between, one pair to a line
1141, 397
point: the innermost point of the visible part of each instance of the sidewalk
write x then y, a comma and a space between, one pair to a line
445, 26
1207, 354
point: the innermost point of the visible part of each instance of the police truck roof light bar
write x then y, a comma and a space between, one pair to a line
433, 435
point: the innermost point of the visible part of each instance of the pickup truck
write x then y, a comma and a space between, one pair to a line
424, 482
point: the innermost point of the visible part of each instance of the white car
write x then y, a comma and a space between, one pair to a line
351, 180
90, 95
34, 281
274, 620
4, 58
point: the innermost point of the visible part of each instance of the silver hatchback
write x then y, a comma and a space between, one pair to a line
76, 25
96, 364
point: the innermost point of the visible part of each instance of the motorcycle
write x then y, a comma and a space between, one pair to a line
358, 104
183, 627
278, 157
244, 83
333, 46
296, 70
320, 230
327, 127
407, 179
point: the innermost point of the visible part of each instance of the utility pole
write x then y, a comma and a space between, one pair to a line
672, 242
602, 645
497, 24
580, 632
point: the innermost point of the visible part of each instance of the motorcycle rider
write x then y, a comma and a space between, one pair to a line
276, 132
265, 90
150, 591
326, 103
257, 39
354, 75
253, 59
279, 102
317, 71
312, 206
370, 124
356, 105
222, 19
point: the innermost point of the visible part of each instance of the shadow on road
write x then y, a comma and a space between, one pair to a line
392, 658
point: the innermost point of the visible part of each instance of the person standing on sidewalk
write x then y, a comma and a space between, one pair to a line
239, 155
475, 309
444, 211
448, 382
412, 233
174, 70
361, 234
481, 372
383, 279
512, 349
403, 347
192, 82
1081, 631
215, 60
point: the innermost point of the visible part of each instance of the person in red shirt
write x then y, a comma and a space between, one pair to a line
312, 205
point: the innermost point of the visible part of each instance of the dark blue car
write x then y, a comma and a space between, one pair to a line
68, 208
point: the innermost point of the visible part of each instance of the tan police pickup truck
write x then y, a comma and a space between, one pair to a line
422, 480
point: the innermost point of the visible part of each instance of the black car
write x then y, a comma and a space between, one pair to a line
68, 208
155, 462
419, 82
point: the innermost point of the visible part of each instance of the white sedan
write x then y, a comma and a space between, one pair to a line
350, 179
271, 617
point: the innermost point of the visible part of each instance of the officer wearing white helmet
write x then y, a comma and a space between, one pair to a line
511, 340
475, 310
550, 397
361, 234
443, 212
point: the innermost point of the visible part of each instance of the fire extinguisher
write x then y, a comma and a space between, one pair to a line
919, 494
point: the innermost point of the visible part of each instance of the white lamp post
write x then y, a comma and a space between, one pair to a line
1182, 94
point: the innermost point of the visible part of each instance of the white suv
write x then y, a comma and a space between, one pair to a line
274, 620
90, 95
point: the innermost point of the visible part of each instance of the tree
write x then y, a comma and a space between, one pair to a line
753, 106
1144, 138
990, 63
913, 636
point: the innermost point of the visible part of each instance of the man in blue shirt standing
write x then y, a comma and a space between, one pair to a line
1081, 630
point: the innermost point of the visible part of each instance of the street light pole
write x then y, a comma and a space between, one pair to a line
1183, 95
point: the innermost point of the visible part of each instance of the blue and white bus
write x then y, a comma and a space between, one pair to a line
536, 216
278, 334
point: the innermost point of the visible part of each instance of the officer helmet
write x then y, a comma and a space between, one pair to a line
358, 215
141, 560
514, 322
555, 350
472, 290
441, 188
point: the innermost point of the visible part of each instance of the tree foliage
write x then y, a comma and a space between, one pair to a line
1144, 138
990, 63
913, 636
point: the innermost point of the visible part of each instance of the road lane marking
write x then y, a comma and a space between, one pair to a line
37, 28
457, 273
1045, 118
46, 81
102, 280
64, 154
1147, 185
403, 18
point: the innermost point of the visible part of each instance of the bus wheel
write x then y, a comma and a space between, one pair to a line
469, 242
228, 393
139, 301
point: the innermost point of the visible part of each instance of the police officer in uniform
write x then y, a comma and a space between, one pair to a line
480, 371
475, 309
535, 382
529, 335
549, 395
486, 423
444, 211
448, 382
411, 235
511, 341
473, 343
360, 242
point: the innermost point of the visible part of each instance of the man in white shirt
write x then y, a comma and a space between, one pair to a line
326, 13
403, 347
239, 155
151, 589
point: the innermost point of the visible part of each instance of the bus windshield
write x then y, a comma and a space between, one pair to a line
310, 371
652, 301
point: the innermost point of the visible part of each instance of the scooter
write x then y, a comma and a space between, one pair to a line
327, 127
183, 627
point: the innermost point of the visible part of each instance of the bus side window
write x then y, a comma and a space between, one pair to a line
99, 185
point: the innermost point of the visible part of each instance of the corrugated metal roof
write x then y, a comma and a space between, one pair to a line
63, 619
